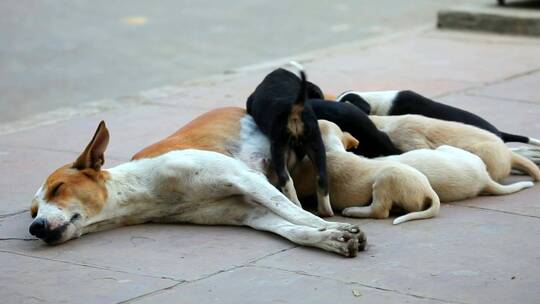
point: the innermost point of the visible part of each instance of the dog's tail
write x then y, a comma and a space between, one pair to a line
295, 124
526, 165
508, 137
302, 93
497, 189
432, 211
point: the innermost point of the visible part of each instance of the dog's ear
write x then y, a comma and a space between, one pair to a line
349, 141
93, 155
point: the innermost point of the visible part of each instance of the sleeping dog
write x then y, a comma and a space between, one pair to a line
411, 132
385, 103
205, 173
355, 181
278, 106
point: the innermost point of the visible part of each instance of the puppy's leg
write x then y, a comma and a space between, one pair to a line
236, 211
532, 153
316, 153
380, 206
285, 181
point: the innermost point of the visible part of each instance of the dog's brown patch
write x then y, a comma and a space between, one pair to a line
68, 186
212, 131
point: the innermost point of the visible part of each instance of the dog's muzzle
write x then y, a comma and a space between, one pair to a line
41, 229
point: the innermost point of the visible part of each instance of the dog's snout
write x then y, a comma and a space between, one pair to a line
39, 228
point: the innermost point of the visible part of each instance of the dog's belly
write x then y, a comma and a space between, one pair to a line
253, 146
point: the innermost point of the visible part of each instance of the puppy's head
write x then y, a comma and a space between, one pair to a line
72, 194
334, 139
355, 99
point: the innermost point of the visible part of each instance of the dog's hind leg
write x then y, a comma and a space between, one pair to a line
379, 208
285, 182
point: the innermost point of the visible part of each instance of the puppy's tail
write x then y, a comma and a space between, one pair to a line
497, 189
524, 164
508, 137
302, 93
432, 211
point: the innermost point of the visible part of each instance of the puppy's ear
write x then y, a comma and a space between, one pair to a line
329, 97
314, 91
349, 141
93, 155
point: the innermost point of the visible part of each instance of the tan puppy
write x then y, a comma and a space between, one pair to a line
355, 181
411, 132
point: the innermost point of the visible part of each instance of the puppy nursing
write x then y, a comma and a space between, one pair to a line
455, 174
355, 181
411, 132
278, 106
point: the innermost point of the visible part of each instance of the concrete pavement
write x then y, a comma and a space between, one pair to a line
483, 250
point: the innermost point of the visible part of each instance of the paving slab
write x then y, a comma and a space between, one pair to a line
464, 255
432, 64
260, 285
182, 252
523, 88
30, 280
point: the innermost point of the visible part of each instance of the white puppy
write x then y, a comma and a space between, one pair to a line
454, 173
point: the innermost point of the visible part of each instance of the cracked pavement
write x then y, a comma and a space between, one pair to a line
482, 250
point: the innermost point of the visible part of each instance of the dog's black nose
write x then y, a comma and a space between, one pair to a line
38, 228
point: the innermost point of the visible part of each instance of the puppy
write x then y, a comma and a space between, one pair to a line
355, 181
351, 119
385, 103
455, 174
278, 106
411, 132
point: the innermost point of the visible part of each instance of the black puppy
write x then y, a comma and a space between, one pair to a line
409, 102
351, 119
278, 106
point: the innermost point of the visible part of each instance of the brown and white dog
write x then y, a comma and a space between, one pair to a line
411, 132
355, 181
208, 172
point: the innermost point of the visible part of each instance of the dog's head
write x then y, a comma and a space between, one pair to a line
72, 194
334, 139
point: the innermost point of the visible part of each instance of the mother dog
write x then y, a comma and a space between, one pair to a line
208, 172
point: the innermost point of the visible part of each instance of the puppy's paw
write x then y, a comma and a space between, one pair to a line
325, 212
